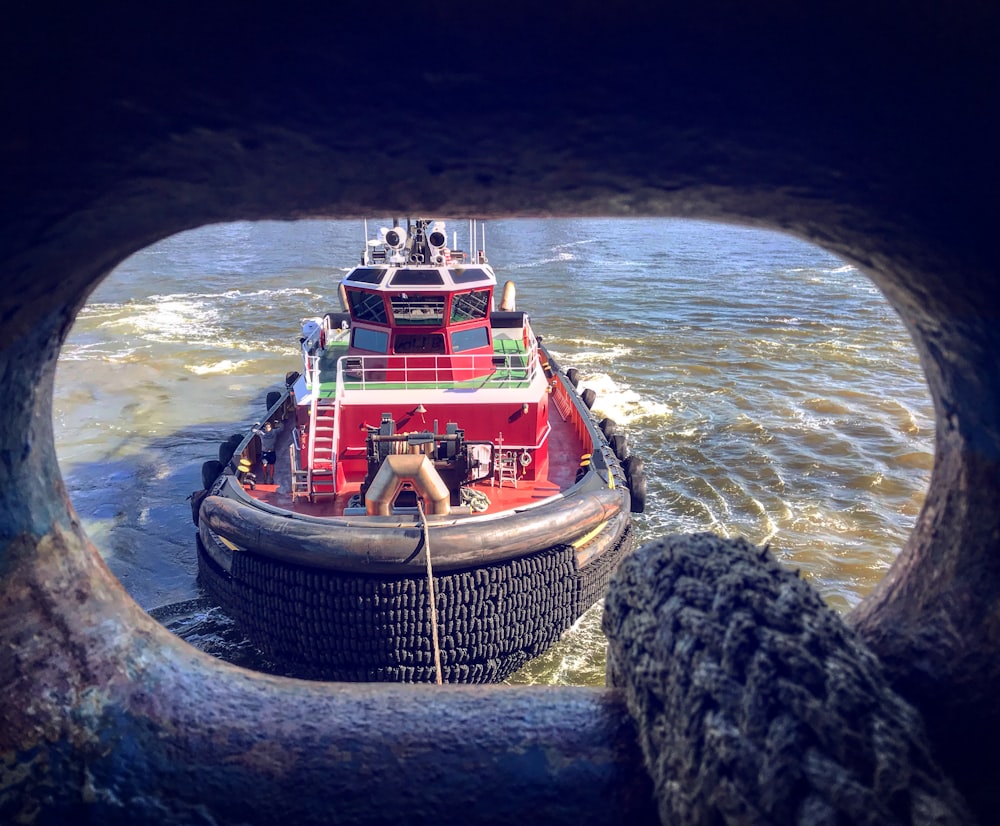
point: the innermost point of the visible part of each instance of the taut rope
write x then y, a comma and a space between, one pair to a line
430, 593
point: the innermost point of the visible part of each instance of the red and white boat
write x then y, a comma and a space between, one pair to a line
444, 505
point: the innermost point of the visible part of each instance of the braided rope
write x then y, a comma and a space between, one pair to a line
755, 703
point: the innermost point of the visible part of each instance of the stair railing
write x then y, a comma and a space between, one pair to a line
313, 414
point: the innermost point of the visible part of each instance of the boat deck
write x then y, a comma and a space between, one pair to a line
565, 450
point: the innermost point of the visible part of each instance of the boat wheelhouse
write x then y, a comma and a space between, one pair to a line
443, 503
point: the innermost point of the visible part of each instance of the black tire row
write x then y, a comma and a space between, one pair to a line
387, 589
332, 625
596, 575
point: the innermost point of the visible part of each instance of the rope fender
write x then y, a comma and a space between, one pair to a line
755, 703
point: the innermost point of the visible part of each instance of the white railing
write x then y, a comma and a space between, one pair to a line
311, 350
311, 365
313, 414
403, 372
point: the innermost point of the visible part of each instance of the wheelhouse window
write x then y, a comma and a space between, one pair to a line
469, 306
418, 309
462, 340
416, 278
366, 306
469, 275
419, 343
368, 275
376, 341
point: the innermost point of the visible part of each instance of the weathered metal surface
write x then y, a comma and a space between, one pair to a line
108, 717
868, 128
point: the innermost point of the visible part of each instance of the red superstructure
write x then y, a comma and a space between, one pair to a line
420, 353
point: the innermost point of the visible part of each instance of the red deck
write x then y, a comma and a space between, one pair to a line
565, 450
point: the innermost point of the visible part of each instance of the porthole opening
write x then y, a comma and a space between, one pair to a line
768, 387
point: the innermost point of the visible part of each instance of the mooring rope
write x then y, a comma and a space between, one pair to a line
430, 593
755, 702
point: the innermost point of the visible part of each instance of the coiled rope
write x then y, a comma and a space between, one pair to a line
475, 499
755, 703
431, 595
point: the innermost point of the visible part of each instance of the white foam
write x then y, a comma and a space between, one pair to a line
621, 403
224, 366
601, 353
577, 243
169, 320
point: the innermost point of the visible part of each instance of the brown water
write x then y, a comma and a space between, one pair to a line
769, 388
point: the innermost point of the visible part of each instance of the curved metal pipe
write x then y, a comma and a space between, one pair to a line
407, 467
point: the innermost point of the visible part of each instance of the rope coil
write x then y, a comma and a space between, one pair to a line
755, 703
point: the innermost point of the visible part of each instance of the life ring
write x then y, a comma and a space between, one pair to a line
525, 458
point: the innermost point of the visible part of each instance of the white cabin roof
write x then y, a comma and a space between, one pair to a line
385, 277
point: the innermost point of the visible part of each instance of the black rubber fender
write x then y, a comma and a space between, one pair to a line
637, 485
346, 627
608, 428
210, 471
619, 444
632, 464
196, 499
589, 396
228, 448
573, 375
272, 399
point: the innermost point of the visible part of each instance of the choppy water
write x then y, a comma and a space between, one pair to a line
769, 388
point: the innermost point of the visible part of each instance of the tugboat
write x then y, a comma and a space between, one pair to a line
429, 498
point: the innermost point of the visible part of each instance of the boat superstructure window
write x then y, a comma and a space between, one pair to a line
375, 341
471, 339
368, 275
470, 275
418, 309
469, 306
419, 343
366, 306
416, 278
